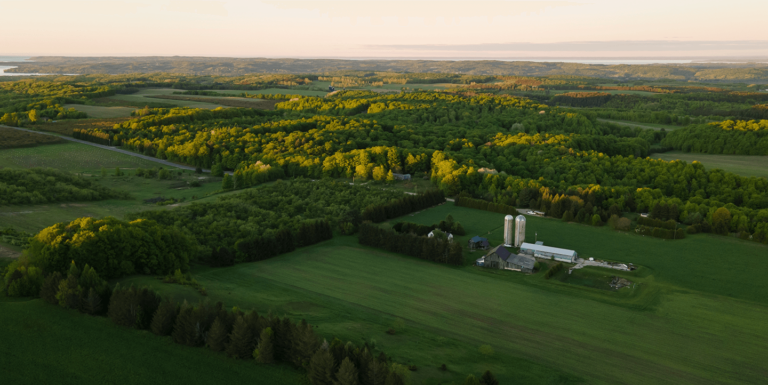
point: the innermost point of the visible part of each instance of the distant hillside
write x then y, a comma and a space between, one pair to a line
709, 72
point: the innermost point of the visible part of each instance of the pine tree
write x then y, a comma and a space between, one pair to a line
69, 292
92, 303
148, 302
347, 374
183, 324
164, 318
471, 380
264, 353
321, 367
240, 340
488, 379
50, 288
394, 379
304, 344
378, 372
217, 336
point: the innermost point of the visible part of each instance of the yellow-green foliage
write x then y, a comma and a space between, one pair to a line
743, 125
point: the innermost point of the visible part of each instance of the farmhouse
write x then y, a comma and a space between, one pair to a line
401, 176
501, 258
541, 251
478, 243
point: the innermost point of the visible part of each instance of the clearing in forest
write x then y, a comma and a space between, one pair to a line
744, 165
102, 112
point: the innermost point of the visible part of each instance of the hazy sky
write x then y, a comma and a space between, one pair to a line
382, 28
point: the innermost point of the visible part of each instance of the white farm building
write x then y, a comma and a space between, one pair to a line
541, 251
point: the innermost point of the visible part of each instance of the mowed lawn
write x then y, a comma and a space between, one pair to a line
744, 165
541, 331
102, 112
45, 344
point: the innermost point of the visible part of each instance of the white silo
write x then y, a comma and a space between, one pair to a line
509, 230
519, 230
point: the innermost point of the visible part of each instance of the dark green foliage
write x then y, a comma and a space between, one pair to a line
138, 246
217, 336
227, 183
394, 379
40, 186
378, 371
240, 340
92, 303
554, 270
164, 318
305, 342
50, 288
69, 292
430, 249
321, 367
347, 374
659, 232
402, 206
123, 306
222, 257
488, 379
264, 352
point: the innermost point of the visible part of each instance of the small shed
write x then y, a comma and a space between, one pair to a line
501, 258
401, 176
480, 243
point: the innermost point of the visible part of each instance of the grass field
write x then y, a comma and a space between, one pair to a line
70, 156
145, 96
613, 92
542, 332
44, 344
66, 127
10, 138
102, 112
744, 165
652, 126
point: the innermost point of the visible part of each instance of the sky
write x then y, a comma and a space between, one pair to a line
489, 29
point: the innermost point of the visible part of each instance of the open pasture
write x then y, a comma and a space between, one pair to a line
284, 91
651, 126
712, 264
146, 96
224, 101
744, 165
613, 92
10, 138
542, 332
70, 156
45, 344
102, 112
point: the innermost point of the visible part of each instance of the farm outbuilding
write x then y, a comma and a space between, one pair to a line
401, 176
478, 243
501, 258
541, 251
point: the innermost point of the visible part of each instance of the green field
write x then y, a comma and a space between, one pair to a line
70, 156
273, 91
542, 332
102, 112
145, 96
44, 344
613, 92
745, 165
652, 126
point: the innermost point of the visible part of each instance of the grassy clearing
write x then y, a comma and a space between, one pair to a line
288, 91
11, 138
144, 97
102, 112
70, 156
45, 344
744, 165
224, 101
613, 92
541, 331
652, 126
707, 263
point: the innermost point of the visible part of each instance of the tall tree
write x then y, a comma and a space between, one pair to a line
347, 374
264, 352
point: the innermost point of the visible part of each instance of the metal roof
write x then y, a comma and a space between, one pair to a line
547, 249
522, 260
476, 239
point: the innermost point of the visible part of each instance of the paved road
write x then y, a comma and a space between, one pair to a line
115, 149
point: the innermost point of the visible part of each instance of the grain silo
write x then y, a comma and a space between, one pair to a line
519, 230
509, 230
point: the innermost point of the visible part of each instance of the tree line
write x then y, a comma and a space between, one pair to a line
430, 249
480, 204
406, 205
40, 186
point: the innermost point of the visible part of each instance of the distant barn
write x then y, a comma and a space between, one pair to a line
501, 258
541, 251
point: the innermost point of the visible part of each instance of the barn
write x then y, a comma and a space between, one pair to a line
478, 242
501, 258
541, 251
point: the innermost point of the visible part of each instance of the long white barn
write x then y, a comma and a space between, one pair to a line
541, 251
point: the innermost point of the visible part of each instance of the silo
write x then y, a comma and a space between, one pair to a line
519, 230
509, 230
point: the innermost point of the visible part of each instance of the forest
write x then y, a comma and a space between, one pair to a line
38, 186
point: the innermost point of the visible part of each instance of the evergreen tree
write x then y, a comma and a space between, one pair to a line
471, 380
394, 379
184, 324
240, 340
50, 288
227, 183
69, 293
217, 336
304, 344
164, 318
347, 374
378, 372
488, 379
92, 303
264, 353
321, 367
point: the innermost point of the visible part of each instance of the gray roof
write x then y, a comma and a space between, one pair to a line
522, 260
502, 252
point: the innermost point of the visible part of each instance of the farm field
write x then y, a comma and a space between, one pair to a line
272, 91
10, 138
613, 92
693, 263
70, 156
541, 331
652, 126
145, 96
745, 165
80, 349
102, 112
66, 127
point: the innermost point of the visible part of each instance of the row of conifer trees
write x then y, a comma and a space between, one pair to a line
284, 241
431, 249
485, 205
405, 205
